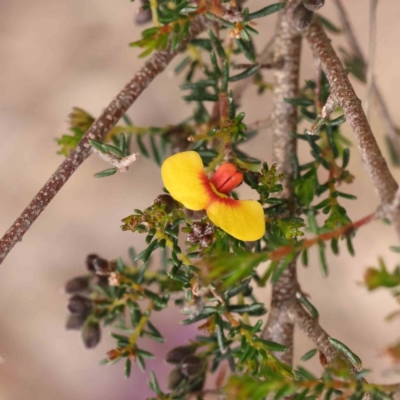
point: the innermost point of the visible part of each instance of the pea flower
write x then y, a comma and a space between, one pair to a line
184, 177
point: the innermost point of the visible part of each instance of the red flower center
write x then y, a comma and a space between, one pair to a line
226, 178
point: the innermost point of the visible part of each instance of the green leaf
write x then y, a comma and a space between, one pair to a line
342, 348
145, 254
271, 345
113, 150
309, 354
246, 49
245, 74
217, 44
142, 147
98, 146
267, 11
328, 24
128, 365
153, 383
106, 172
155, 152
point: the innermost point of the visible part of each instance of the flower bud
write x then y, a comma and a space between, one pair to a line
102, 267
175, 377
79, 305
89, 261
77, 284
192, 366
198, 229
75, 322
167, 201
143, 16
313, 5
302, 17
177, 354
226, 178
206, 241
91, 335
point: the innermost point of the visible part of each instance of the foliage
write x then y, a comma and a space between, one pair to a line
211, 275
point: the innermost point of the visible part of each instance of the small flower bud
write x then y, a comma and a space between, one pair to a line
177, 354
167, 201
209, 229
175, 377
192, 238
143, 16
89, 261
206, 241
313, 5
77, 284
91, 335
192, 366
102, 267
75, 322
302, 17
198, 229
79, 305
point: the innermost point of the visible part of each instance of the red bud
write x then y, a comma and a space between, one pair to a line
226, 178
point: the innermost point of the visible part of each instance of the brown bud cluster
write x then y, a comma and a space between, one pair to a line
80, 304
178, 137
144, 14
167, 202
202, 234
189, 368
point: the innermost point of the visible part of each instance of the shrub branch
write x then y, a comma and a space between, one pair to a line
107, 120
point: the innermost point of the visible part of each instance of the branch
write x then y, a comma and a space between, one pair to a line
383, 111
344, 93
287, 48
107, 120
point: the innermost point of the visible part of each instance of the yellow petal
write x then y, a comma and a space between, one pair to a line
242, 219
184, 177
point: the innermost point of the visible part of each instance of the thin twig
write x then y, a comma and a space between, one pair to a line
107, 120
391, 128
344, 93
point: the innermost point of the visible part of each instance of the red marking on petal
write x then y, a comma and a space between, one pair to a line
226, 178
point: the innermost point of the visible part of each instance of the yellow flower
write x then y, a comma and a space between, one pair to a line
183, 175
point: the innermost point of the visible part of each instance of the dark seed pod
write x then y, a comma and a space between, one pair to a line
302, 17
91, 335
169, 203
102, 267
313, 5
192, 366
89, 261
143, 16
77, 284
175, 377
75, 322
79, 305
177, 354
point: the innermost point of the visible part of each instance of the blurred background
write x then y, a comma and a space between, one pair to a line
56, 55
